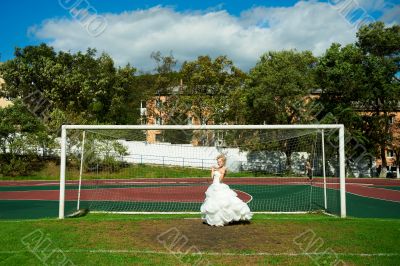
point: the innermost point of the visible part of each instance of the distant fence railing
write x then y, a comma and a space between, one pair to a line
169, 160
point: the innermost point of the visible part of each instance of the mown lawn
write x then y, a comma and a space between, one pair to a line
100, 239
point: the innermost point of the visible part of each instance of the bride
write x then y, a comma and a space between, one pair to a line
222, 205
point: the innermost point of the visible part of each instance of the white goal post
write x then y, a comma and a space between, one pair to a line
321, 127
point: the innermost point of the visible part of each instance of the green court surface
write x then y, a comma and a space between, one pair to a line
28, 209
280, 198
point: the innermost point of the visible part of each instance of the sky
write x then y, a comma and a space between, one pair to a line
130, 30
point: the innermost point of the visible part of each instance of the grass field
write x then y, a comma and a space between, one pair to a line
100, 239
110, 239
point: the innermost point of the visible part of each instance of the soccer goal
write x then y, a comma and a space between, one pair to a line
166, 168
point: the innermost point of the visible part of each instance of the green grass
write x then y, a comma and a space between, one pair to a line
134, 239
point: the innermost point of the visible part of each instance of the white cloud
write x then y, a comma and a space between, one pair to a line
130, 37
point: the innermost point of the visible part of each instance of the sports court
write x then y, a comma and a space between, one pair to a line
378, 198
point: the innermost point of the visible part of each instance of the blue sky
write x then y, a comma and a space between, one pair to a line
129, 30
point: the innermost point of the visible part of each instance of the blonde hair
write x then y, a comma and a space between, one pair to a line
222, 157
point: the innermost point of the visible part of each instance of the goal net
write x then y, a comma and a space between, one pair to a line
166, 169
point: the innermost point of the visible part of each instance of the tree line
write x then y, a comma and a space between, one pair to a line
356, 84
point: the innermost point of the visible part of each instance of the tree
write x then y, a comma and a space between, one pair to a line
339, 75
205, 96
207, 86
395, 145
276, 86
381, 47
162, 87
198, 93
360, 87
276, 93
21, 133
86, 86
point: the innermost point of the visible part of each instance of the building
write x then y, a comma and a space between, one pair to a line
394, 121
3, 102
153, 112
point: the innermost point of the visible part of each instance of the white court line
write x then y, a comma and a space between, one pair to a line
141, 182
45, 184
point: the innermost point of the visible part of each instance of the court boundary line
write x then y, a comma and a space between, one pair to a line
191, 212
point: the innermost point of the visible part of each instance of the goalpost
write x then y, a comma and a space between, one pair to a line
165, 168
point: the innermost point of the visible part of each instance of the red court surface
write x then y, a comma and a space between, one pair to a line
165, 194
173, 191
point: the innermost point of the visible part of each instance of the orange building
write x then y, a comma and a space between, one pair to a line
394, 121
3, 102
152, 112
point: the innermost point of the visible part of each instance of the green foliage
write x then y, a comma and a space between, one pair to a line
276, 86
82, 85
360, 87
21, 135
208, 87
379, 40
359, 82
101, 153
275, 93
205, 97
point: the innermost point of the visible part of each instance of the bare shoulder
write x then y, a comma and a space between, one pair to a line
223, 170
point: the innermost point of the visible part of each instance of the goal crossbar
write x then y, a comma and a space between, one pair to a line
202, 127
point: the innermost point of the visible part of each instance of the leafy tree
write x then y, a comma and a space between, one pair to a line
204, 96
395, 145
207, 86
360, 87
276, 93
339, 74
381, 47
21, 133
83, 85
101, 153
276, 86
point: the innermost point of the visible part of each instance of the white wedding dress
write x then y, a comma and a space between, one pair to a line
222, 205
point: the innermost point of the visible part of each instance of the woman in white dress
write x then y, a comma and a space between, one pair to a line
222, 205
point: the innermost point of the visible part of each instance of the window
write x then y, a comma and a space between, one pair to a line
143, 109
159, 138
391, 120
189, 120
389, 153
158, 103
158, 120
